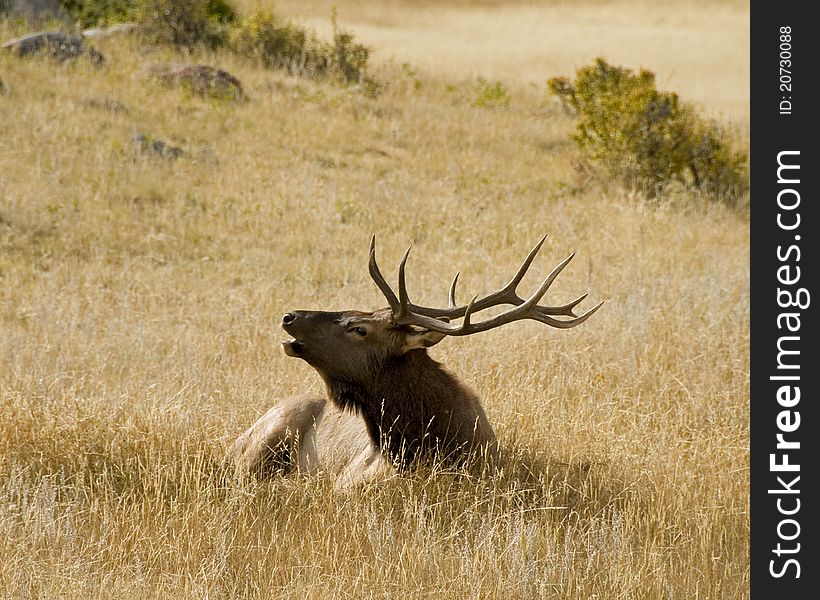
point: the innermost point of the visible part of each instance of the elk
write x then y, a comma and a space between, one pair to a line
388, 403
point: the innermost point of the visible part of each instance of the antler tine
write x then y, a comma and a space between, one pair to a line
564, 309
542, 289
522, 270
568, 323
451, 297
377, 277
404, 300
467, 313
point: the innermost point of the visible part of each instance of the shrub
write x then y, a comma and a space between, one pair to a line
99, 12
348, 59
104, 12
184, 23
277, 44
647, 139
280, 44
221, 10
491, 94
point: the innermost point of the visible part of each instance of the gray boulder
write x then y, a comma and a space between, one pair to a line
202, 80
54, 44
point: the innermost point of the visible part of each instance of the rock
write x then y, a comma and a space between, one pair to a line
105, 32
203, 80
56, 44
3, 89
156, 146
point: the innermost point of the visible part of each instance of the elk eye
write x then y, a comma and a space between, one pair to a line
360, 331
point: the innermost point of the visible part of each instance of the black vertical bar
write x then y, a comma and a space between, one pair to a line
784, 225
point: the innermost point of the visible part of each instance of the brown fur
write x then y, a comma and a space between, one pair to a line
387, 400
309, 434
412, 407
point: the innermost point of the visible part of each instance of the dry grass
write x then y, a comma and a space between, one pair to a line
139, 307
698, 48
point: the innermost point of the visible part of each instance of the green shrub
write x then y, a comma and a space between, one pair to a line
648, 140
222, 10
184, 23
277, 44
99, 12
280, 44
349, 59
103, 12
491, 94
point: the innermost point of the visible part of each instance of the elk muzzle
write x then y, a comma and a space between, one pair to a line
312, 333
293, 347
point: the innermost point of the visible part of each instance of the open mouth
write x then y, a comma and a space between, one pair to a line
293, 347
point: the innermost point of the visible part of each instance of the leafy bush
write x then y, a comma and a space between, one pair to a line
649, 140
348, 59
280, 44
99, 12
184, 23
221, 10
491, 94
277, 44
104, 12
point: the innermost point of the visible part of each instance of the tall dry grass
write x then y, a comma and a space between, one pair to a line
139, 308
700, 49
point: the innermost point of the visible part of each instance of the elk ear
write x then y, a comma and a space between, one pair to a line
421, 338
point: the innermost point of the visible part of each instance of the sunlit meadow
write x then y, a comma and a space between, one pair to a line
140, 301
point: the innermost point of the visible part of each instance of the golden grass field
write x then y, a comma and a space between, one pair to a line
140, 302
698, 48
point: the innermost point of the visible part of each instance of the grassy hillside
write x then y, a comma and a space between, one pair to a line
698, 48
140, 301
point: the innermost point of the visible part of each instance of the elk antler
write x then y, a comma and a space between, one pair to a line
406, 313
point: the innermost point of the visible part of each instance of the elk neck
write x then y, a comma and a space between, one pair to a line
400, 401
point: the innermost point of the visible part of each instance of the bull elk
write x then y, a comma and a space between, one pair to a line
388, 402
